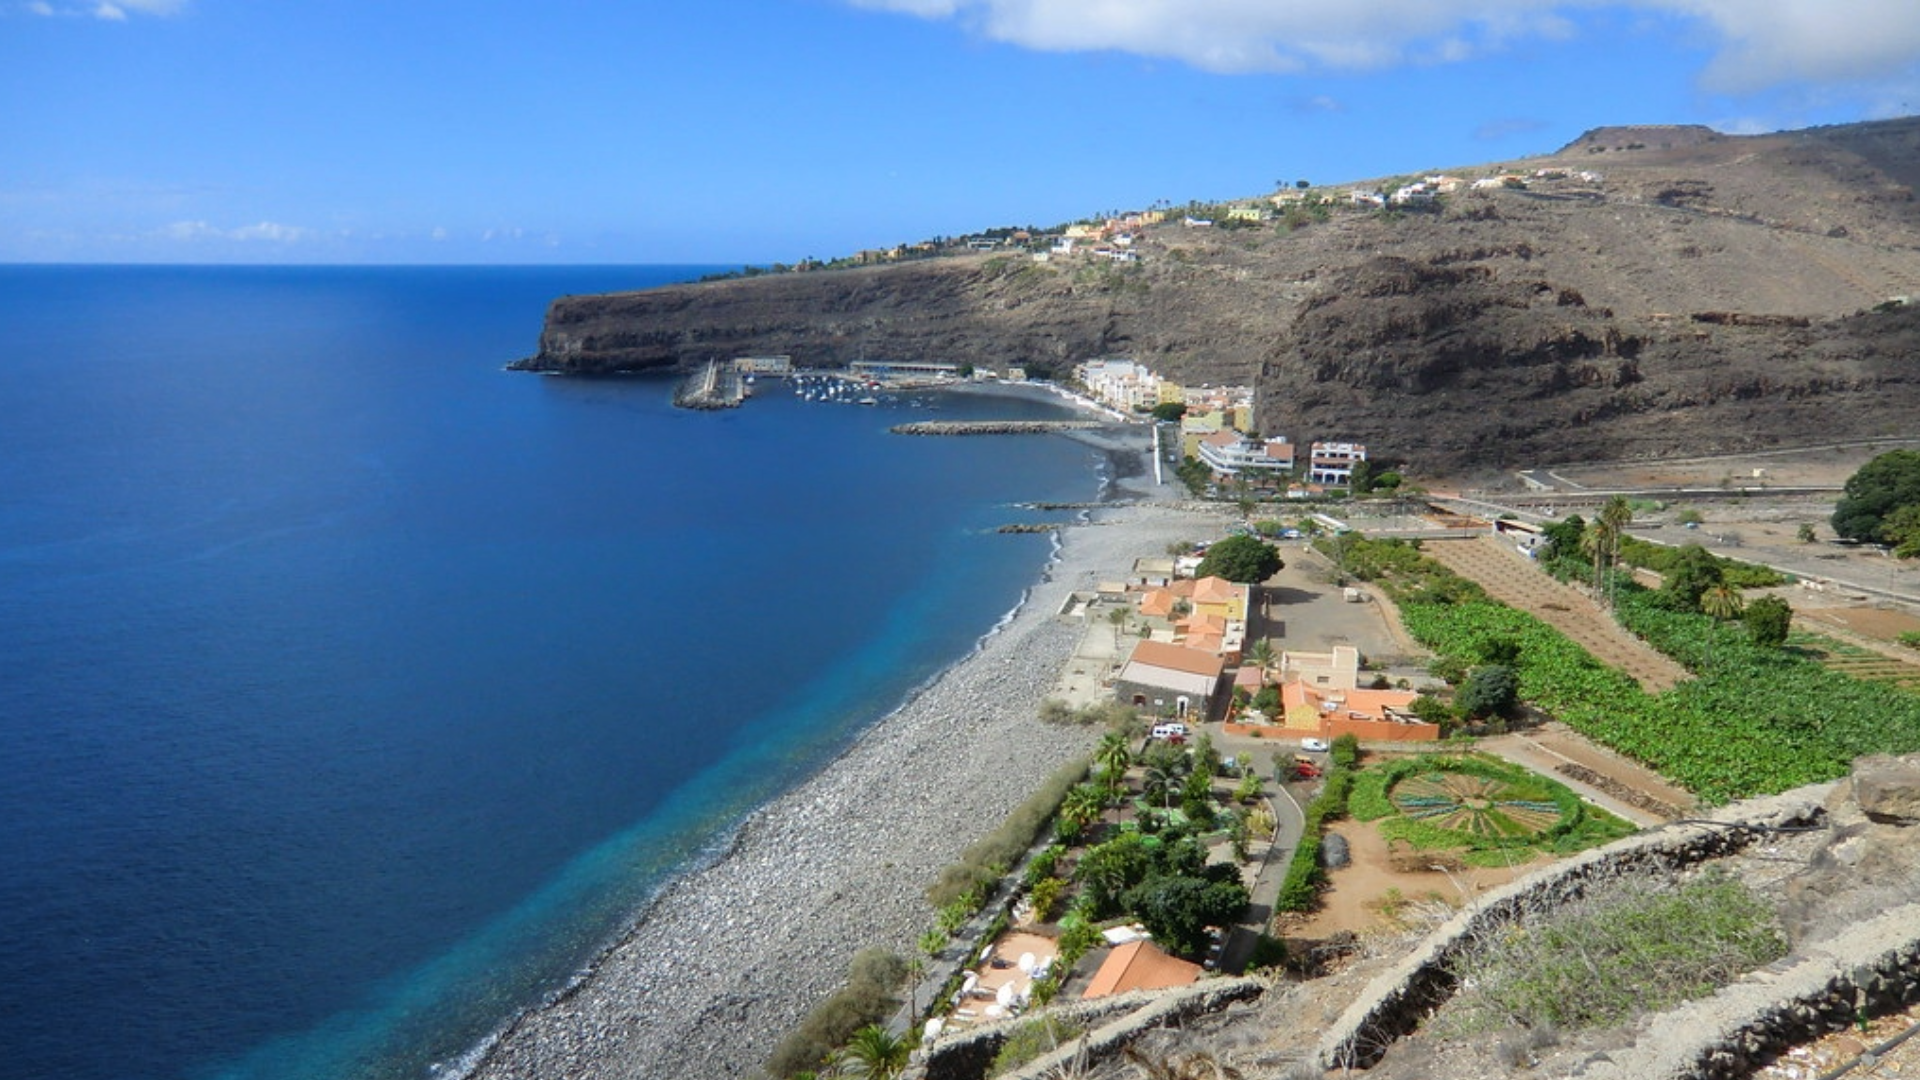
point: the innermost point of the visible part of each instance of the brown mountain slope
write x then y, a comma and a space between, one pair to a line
1699, 292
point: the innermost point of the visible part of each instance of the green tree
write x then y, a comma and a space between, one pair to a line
1045, 896
1722, 602
1079, 809
1563, 537
874, 1053
1178, 910
1879, 488
1807, 534
1169, 411
1502, 649
1489, 691
1163, 778
1361, 480
1768, 621
1114, 755
1902, 530
1242, 559
1262, 654
1109, 869
1692, 572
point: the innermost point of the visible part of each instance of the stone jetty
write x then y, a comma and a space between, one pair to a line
993, 427
716, 385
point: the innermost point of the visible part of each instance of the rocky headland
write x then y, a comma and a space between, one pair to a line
1649, 290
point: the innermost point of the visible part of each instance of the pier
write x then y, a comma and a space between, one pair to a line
994, 427
717, 385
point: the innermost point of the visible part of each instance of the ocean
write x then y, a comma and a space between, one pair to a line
355, 691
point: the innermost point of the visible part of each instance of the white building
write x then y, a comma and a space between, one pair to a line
1123, 384
1228, 453
1332, 463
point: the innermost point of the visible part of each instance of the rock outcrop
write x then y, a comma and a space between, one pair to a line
1748, 286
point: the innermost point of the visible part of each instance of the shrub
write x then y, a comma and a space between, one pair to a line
1768, 620
1490, 691
1618, 954
866, 998
983, 864
1030, 1040
1300, 889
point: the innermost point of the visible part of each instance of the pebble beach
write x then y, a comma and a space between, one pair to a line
732, 957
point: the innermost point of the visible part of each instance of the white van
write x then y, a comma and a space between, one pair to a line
1170, 732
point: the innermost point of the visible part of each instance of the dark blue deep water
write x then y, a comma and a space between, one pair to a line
354, 691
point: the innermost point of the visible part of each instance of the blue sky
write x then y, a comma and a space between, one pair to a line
734, 131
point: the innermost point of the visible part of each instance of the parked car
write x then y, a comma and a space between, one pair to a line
1173, 733
1318, 746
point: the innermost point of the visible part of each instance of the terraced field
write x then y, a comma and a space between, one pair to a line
1514, 581
1858, 661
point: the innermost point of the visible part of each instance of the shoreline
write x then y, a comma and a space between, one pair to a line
731, 955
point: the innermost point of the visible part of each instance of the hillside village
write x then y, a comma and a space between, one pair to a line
1216, 429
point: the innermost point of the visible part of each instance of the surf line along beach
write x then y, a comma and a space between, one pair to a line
731, 957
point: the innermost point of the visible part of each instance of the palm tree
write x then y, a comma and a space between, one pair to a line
874, 1053
916, 970
1721, 602
1262, 653
1082, 806
1164, 777
1615, 515
1595, 541
1115, 755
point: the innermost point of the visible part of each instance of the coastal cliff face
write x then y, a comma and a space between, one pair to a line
987, 310
1692, 292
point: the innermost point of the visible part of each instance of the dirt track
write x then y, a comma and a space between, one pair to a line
1511, 579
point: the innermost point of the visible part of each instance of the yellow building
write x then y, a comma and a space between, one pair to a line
1218, 596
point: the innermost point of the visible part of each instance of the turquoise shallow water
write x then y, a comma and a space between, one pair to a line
354, 690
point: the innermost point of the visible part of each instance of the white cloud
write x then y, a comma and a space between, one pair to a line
1758, 43
265, 231
106, 10
1772, 41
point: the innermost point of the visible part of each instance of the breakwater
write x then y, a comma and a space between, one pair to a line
716, 385
993, 427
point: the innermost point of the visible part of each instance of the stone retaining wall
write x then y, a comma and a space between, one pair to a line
1114, 1022
1869, 969
1393, 1004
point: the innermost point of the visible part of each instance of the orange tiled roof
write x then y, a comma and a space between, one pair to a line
1140, 965
1158, 602
1214, 590
1178, 658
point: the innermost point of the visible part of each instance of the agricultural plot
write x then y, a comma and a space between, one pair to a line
1520, 585
1487, 811
1475, 805
1859, 662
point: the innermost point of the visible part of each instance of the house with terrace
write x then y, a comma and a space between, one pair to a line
1367, 715
1230, 454
1163, 679
1332, 463
1208, 614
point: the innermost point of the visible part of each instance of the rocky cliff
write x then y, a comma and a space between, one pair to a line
1649, 289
